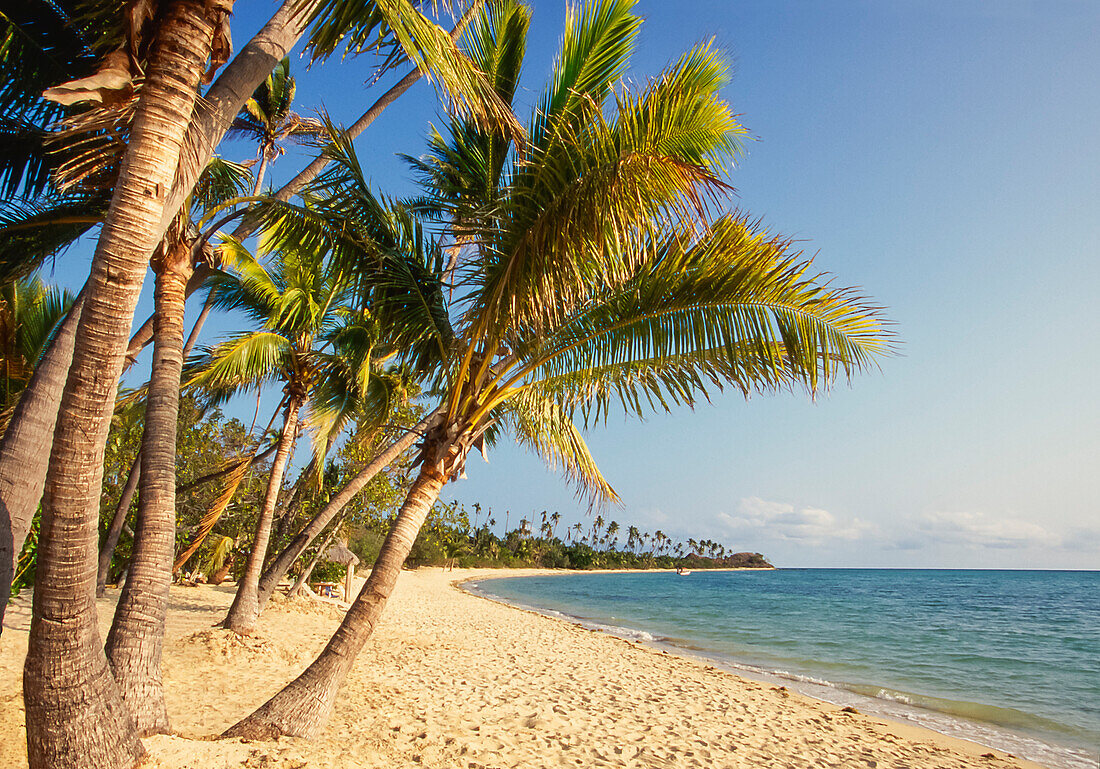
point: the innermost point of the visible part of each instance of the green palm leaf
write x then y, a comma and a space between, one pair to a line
361, 25
244, 361
734, 298
542, 424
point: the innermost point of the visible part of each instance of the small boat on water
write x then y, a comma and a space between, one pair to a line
682, 572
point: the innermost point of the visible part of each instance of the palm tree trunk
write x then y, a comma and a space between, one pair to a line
303, 578
110, 542
193, 337
278, 569
260, 171
25, 448
302, 708
245, 610
75, 715
136, 639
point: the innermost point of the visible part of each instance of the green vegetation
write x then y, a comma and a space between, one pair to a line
450, 538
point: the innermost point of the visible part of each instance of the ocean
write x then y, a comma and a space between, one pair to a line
1009, 659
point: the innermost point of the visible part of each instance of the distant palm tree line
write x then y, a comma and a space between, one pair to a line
451, 538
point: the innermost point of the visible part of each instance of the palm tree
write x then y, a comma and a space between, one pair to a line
612, 529
597, 527
136, 637
65, 652
268, 120
386, 248
301, 303
589, 273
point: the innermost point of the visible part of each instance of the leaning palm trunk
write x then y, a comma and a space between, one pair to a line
114, 531
302, 708
245, 610
75, 714
303, 578
278, 569
25, 448
136, 639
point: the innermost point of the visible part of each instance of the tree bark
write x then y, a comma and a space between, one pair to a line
75, 715
25, 448
302, 708
136, 639
110, 542
245, 610
278, 569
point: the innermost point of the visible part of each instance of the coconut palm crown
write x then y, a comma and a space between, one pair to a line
268, 120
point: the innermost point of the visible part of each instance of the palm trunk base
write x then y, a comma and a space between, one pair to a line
144, 696
91, 729
301, 709
244, 612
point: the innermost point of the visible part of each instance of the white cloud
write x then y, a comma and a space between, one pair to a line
983, 530
782, 521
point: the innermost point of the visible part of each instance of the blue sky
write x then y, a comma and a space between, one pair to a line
943, 157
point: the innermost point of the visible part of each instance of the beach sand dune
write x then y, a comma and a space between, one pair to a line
454, 680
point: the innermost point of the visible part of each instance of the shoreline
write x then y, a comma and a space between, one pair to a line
452, 679
980, 735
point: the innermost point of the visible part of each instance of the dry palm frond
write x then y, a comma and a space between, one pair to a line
206, 525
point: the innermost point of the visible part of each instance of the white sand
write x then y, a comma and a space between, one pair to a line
454, 680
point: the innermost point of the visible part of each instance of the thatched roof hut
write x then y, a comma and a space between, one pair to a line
339, 553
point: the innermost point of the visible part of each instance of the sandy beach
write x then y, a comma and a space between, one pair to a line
455, 680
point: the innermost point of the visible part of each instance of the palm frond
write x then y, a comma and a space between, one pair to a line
244, 361
34, 230
734, 306
360, 25
220, 182
595, 52
541, 423
41, 45
40, 317
581, 211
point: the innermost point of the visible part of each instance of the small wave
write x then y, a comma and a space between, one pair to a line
629, 634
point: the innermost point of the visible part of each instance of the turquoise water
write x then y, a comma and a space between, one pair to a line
1007, 658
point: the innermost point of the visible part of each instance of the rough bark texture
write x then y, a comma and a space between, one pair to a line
279, 568
144, 335
75, 713
25, 448
302, 708
232, 88
246, 605
136, 639
110, 542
